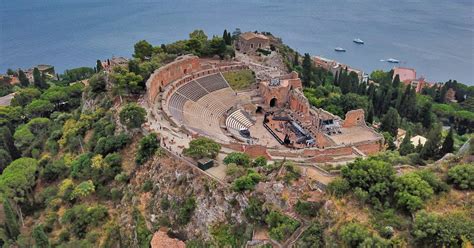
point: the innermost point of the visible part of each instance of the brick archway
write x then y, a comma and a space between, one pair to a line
273, 102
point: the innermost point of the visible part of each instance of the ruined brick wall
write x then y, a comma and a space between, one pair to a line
371, 148
354, 118
295, 83
256, 151
166, 74
298, 102
280, 93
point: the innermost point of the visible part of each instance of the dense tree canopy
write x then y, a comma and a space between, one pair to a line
462, 176
18, 179
132, 115
143, 50
202, 148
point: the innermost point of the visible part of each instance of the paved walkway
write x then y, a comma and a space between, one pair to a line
6, 100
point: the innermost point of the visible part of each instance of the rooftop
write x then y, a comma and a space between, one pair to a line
252, 35
405, 74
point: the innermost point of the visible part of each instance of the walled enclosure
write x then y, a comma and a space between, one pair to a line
186, 68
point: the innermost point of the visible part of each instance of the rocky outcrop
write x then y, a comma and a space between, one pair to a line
175, 182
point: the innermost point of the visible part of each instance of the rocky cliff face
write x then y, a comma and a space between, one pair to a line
174, 184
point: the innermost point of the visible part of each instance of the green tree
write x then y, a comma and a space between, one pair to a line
12, 227
246, 182
260, 161
81, 217
17, 181
147, 148
296, 59
134, 66
56, 95
448, 230
307, 65
77, 74
338, 187
99, 66
38, 79
40, 237
281, 226
426, 115
83, 189
5, 159
24, 81
7, 142
227, 37
98, 82
411, 191
202, 147
25, 96
390, 122
308, 208
254, 211
132, 115
371, 175
462, 176
238, 158
143, 50
354, 234
407, 107
448, 143
431, 147
126, 82
39, 108
406, 147
313, 237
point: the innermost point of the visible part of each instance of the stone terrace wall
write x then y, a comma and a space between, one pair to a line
370, 147
166, 74
317, 155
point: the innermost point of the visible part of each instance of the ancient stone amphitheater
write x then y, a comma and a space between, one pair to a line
195, 97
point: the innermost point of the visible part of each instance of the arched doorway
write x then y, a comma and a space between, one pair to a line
273, 102
259, 110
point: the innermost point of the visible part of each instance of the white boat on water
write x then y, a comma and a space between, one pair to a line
392, 60
339, 49
358, 41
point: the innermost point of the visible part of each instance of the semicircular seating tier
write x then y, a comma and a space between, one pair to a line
200, 103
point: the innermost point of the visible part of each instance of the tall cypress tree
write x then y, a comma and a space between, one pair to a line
370, 113
307, 70
11, 220
431, 147
38, 79
226, 36
296, 59
5, 159
23, 78
41, 239
426, 115
406, 147
390, 122
99, 66
7, 142
448, 143
396, 81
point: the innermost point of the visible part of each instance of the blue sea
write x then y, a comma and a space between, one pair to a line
435, 37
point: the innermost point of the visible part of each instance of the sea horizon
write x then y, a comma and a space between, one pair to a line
435, 38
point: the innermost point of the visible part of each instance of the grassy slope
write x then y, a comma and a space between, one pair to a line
240, 80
